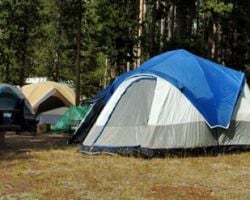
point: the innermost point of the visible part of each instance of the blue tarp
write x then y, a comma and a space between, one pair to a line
212, 88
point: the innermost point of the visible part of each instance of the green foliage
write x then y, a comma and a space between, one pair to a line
118, 25
218, 7
20, 23
38, 37
92, 80
223, 8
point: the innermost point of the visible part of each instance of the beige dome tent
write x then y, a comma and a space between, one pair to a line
48, 95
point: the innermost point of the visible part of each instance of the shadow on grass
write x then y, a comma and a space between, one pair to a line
146, 153
202, 152
18, 146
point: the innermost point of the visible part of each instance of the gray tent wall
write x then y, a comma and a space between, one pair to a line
239, 131
147, 112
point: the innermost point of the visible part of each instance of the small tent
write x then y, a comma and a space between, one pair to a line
176, 100
14, 107
10, 96
48, 95
70, 120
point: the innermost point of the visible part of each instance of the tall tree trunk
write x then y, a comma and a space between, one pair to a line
7, 69
58, 43
106, 74
184, 19
128, 66
162, 29
57, 65
139, 48
190, 16
171, 22
212, 29
22, 68
180, 20
78, 52
23, 58
152, 48
197, 18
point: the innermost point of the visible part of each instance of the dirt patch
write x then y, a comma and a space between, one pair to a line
181, 192
26, 142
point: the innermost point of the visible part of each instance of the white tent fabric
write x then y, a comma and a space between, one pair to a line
149, 112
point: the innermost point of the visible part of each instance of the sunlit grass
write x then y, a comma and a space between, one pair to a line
64, 173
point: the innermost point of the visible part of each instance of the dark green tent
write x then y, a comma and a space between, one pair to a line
71, 119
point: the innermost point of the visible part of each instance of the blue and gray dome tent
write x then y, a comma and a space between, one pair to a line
174, 100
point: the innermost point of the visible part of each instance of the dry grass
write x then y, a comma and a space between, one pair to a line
42, 167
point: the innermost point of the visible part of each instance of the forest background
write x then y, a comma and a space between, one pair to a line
87, 43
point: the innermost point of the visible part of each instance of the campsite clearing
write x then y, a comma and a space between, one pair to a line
44, 167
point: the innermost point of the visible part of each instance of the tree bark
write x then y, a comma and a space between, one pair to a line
212, 30
162, 29
22, 68
106, 73
7, 70
139, 50
58, 43
23, 58
171, 22
197, 18
152, 48
78, 54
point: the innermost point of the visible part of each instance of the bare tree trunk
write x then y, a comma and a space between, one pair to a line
22, 68
171, 22
180, 20
162, 29
114, 70
23, 60
128, 66
78, 54
57, 65
212, 44
153, 30
139, 50
184, 19
7, 69
197, 18
106, 77
58, 44
218, 43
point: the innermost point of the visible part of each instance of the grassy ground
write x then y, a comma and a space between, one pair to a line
43, 167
